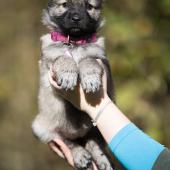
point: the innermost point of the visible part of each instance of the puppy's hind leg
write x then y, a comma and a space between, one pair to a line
98, 156
95, 145
82, 159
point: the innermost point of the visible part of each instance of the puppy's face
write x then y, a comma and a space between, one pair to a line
73, 17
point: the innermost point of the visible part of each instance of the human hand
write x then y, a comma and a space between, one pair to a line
59, 147
88, 102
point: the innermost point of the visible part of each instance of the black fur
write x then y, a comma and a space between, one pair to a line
84, 27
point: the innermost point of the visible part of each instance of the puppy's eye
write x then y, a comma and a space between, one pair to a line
90, 7
65, 5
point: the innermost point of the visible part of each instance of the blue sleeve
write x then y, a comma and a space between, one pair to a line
134, 149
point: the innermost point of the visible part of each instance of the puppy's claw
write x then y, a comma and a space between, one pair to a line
91, 83
67, 80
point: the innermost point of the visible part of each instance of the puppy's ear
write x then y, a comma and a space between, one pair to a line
50, 3
45, 17
46, 20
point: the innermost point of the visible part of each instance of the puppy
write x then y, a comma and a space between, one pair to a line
71, 49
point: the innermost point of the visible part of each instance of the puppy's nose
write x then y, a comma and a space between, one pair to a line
76, 18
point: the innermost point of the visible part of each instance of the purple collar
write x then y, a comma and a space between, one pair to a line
57, 36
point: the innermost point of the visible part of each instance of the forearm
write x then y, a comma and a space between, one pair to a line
132, 147
111, 121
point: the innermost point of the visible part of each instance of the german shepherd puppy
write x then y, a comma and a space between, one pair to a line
71, 49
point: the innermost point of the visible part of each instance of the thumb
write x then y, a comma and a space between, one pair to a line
52, 81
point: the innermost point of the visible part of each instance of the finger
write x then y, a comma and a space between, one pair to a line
51, 71
56, 149
58, 88
94, 166
52, 81
65, 150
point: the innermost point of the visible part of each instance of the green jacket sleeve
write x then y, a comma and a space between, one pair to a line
163, 161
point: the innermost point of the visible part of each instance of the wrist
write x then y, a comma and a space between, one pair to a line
94, 110
108, 118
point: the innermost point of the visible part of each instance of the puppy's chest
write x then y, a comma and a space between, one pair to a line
76, 53
52, 50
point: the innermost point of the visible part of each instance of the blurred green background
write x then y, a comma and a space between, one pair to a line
138, 46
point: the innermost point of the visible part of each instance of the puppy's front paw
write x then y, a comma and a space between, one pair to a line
67, 80
91, 82
90, 75
66, 73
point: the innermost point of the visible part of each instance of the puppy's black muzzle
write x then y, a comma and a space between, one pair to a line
76, 22
76, 14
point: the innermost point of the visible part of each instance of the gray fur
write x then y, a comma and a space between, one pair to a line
98, 155
57, 117
66, 76
55, 8
90, 76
